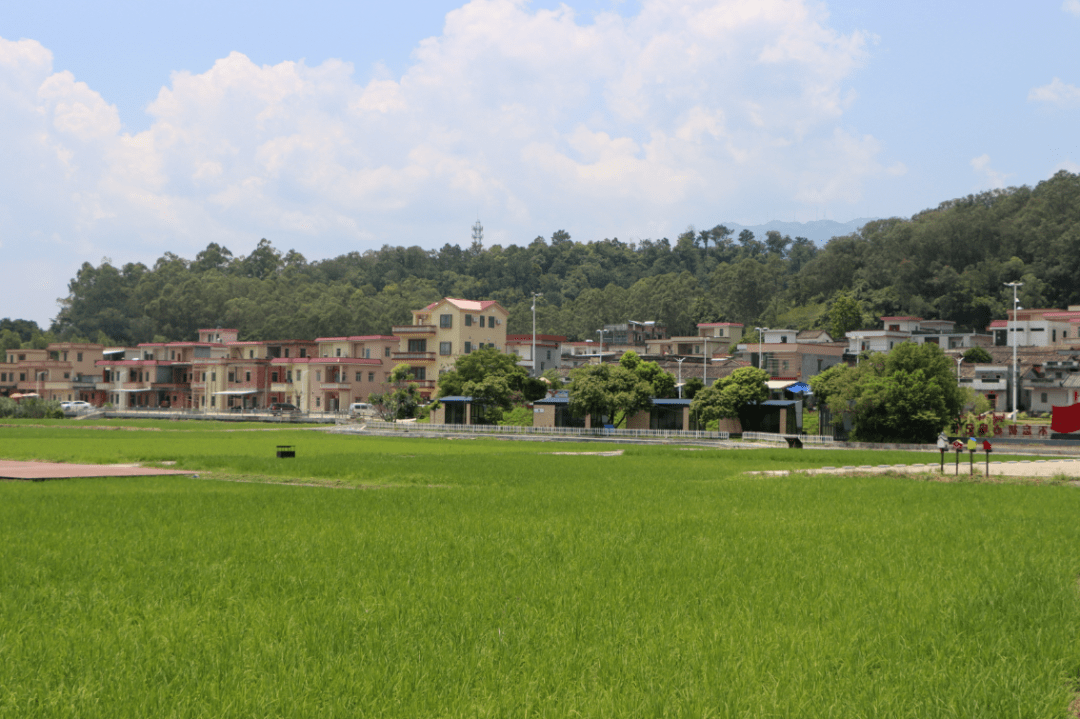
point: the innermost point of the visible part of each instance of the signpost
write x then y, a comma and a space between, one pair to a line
988, 448
959, 447
972, 445
942, 444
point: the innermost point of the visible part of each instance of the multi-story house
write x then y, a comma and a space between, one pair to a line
712, 338
1038, 328
793, 355
548, 351
914, 329
63, 371
340, 371
444, 331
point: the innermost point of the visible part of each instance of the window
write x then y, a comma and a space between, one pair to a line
468, 320
446, 321
720, 332
78, 357
819, 365
251, 354
445, 348
387, 352
549, 354
481, 320
67, 375
418, 345
273, 376
318, 375
213, 376
247, 376
1043, 397
203, 376
370, 376
367, 353
491, 321
318, 401
303, 351
288, 375
338, 352
468, 345
213, 401
783, 339
286, 351
419, 373
232, 376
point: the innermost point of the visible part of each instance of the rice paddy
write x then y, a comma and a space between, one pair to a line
486, 578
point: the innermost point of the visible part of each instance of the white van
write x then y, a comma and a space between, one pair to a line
360, 408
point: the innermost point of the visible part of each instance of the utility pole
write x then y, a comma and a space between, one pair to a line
760, 355
680, 361
1016, 308
535, 295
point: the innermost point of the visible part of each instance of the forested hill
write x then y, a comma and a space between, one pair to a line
948, 262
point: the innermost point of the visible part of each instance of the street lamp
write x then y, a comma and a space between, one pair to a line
41, 380
680, 361
600, 354
760, 355
535, 296
1016, 308
705, 363
958, 361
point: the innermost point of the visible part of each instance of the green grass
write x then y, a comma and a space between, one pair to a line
492, 578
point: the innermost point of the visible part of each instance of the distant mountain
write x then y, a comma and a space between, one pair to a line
817, 231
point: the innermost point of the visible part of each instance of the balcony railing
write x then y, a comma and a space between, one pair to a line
412, 356
414, 330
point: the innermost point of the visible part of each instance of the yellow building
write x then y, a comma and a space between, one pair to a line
446, 330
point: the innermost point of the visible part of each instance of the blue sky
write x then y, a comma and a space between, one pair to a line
131, 129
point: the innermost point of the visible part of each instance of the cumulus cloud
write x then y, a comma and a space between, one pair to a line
1056, 93
992, 177
1072, 7
535, 117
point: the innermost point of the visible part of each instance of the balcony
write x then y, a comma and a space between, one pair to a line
412, 356
335, 385
414, 330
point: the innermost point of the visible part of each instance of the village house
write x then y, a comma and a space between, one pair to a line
444, 331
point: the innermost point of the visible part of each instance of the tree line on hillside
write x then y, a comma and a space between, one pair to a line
949, 262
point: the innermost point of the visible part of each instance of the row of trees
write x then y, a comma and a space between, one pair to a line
906, 395
948, 262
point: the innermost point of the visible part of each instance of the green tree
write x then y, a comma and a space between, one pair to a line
977, 355
610, 391
845, 315
727, 395
907, 395
402, 400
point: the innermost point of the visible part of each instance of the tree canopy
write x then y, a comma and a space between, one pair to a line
618, 391
724, 397
494, 380
907, 395
948, 262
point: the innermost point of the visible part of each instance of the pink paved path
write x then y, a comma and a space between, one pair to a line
51, 470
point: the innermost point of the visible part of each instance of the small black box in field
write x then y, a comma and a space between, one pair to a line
286, 450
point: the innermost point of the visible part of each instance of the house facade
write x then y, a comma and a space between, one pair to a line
445, 330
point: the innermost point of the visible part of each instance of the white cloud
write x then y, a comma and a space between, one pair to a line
534, 117
994, 178
1057, 93
1071, 6
1068, 166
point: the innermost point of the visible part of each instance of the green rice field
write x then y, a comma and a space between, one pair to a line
404, 577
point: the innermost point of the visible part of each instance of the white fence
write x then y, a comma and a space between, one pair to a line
783, 438
543, 431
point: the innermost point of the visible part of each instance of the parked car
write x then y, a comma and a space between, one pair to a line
76, 406
358, 408
279, 407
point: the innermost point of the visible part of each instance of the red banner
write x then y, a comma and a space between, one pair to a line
1066, 419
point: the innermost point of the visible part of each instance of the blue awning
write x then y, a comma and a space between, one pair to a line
799, 388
